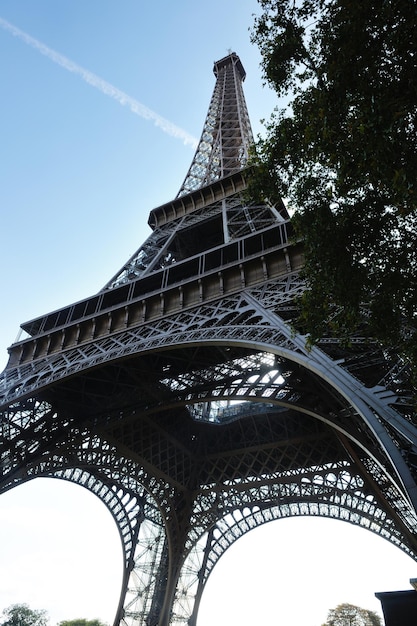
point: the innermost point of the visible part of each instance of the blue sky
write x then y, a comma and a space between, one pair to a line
79, 174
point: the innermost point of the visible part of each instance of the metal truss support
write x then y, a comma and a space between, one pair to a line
227, 135
182, 396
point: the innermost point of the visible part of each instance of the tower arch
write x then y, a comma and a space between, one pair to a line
183, 397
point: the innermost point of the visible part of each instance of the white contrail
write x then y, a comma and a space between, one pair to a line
102, 85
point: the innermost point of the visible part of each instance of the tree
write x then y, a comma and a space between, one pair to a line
22, 615
351, 615
81, 622
344, 156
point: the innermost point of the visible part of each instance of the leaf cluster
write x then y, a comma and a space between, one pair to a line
351, 615
343, 155
81, 622
23, 615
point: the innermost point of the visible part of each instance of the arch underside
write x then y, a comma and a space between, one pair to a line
218, 424
182, 397
220, 516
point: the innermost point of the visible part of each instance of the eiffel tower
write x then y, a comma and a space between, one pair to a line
182, 397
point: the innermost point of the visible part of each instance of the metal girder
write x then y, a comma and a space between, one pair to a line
227, 134
163, 247
183, 398
262, 385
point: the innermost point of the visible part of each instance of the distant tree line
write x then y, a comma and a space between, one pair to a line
351, 615
343, 615
23, 615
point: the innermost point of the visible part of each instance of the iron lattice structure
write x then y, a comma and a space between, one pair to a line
182, 397
224, 145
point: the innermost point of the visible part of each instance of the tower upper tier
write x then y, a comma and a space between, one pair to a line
227, 135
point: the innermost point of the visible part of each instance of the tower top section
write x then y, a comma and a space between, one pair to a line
231, 58
227, 134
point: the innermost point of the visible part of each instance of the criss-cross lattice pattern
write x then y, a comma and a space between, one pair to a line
227, 134
232, 218
182, 396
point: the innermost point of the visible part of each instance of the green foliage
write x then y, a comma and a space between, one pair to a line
343, 154
351, 615
22, 615
81, 622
